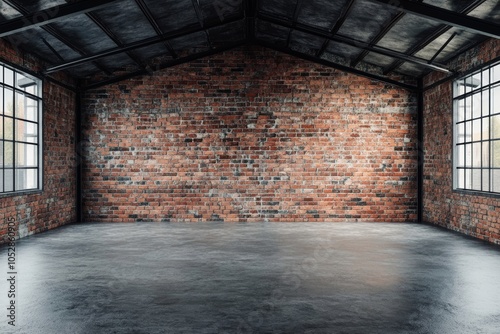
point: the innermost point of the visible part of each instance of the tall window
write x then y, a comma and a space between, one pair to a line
20, 131
477, 130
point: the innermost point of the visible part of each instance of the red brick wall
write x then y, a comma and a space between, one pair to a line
55, 206
250, 135
478, 216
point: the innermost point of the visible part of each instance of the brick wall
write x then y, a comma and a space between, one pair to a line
55, 206
478, 216
250, 135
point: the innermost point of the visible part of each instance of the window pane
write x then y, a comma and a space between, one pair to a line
26, 131
495, 153
495, 127
26, 155
26, 179
476, 155
486, 180
8, 128
486, 77
460, 179
461, 133
476, 81
9, 77
486, 102
495, 100
468, 131
476, 105
496, 180
486, 128
468, 179
1, 153
468, 155
468, 107
1, 180
460, 111
8, 180
476, 130
26, 108
495, 73
8, 102
8, 154
1, 100
476, 179
486, 154
460, 156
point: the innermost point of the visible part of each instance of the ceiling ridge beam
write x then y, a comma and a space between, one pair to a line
448, 17
139, 44
337, 66
168, 64
356, 43
50, 15
429, 38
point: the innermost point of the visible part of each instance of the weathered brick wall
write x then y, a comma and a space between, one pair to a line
250, 135
55, 206
478, 216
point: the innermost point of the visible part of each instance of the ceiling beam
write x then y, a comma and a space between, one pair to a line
352, 42
199, 15
152, 21
429, 38
51, 15
337, 66
459, 20
139, 44
336, 27
296, 13
168, 64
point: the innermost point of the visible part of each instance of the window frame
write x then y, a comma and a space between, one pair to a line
457, 97
18, 91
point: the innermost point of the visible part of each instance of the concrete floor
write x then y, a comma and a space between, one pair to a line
254, 278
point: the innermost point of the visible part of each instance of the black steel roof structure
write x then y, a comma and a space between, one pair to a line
396, 42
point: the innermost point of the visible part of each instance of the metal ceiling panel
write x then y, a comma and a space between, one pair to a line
232, 32
321, 13
300, 39
281, 8
220, 9
116, 62
196, 42
271, 32
173, 14
7, 12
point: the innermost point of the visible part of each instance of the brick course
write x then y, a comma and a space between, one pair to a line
477, 216
55, 206
249, 135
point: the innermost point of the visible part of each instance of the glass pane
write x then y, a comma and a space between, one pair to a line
460, 156
476, 179
468, 84
1, 73
476, 130
468, 155
9, 77
1, 100
495, 153
8, 128
496, 180
26, 179
8, 154
27, 108
476, 80
495, 127
486, 154
460, 133
460, 179
460, 111
468, 107
476, 155
486, 180
468, 179
495, 73
495, 100
1, 127
26, 155
486, 102
8, 102
26, 131
486, 77
468, 131
8, 180
24, 82
486, 128
1, 153
476, 105
1, 180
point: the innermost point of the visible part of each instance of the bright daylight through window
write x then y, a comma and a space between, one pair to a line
20, 131
476, 113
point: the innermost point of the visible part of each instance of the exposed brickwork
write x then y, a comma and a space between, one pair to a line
478, 216
55, 206
250, 135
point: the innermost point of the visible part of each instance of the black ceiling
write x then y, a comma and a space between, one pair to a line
393, 41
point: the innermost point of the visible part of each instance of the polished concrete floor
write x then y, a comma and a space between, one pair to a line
253, 278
